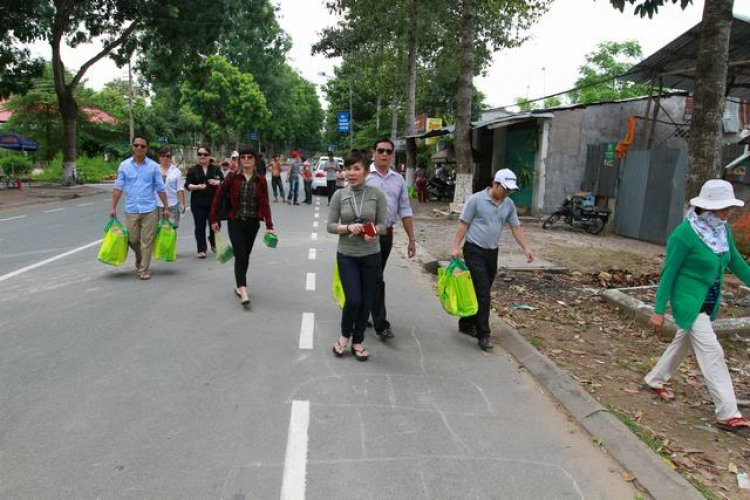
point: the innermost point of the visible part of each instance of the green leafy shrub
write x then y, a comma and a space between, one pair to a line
95, 169
16, 164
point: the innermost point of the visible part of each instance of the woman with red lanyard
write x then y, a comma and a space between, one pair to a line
248, 205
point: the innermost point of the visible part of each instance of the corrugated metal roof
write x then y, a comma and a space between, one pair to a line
671, 61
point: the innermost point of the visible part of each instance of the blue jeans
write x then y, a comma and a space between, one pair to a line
293, 188
359, 277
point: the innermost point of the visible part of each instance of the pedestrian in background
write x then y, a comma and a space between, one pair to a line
332, 172
248, 206
202, 180
174, 185
482, 220
307, 179
421, 185
292, 177
234, 161
393, 185
141, 180
276, 183
358, 214
698, 254
224, 167
262, 169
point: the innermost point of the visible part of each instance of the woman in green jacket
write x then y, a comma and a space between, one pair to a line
698, 253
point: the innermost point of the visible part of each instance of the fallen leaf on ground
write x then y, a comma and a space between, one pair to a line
627, 476
732, 468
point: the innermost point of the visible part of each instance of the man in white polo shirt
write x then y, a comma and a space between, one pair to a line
482, 220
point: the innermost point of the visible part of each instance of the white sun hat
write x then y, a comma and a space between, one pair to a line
715, 195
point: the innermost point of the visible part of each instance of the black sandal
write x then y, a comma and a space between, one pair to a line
339, 349
361, 354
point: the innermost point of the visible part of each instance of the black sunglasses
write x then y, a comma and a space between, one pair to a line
140, 146
246, 157
382, 151
166, 155
205, 155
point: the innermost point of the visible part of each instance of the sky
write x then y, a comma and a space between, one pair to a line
547, 63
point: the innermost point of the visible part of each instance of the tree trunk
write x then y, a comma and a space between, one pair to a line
704, 144
411, 95
394, 115
462, 137
69, 113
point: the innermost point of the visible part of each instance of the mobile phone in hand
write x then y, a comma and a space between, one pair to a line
369, 229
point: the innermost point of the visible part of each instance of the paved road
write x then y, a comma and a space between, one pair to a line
117, 388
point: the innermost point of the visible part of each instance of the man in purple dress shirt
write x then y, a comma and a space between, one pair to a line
394, 186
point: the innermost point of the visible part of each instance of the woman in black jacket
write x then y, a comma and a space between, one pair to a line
202, 180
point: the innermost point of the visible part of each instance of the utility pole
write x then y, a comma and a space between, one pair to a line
130, 102
351, 117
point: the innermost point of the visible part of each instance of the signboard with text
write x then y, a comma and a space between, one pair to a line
343, 119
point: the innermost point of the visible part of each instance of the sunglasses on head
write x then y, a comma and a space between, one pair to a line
204, 155
382, 151
246, 157
140, 146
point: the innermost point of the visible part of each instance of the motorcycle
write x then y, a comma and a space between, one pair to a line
439, 189
578, 210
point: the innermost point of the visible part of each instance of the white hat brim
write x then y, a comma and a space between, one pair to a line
509, 185
715, 204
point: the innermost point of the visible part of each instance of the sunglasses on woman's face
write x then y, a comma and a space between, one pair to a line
203, 155
381, 151
246, 157
166, 156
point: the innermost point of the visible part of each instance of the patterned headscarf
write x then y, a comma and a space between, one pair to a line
711, 229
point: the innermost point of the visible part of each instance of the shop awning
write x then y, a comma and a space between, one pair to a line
17, 142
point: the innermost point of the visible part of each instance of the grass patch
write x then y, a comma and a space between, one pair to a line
655, 445
536, 342
94, 169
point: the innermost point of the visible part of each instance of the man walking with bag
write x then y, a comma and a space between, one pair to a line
140, 177
394, 187
482, 220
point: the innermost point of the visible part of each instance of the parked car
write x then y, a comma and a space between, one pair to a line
319, 174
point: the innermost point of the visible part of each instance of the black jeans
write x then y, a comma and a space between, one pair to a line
308, 192
331, 185
200, 217
278, 185
359, 276
242, 233
379, 314
482, 265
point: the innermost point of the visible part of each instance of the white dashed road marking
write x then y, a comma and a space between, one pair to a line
310, 282
314, 236
85, 204
311, 255
47, 261
294, 483
315, 224
317, 216
306, 331
54, 210
13, 218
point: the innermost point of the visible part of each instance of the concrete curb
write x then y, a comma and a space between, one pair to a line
650, 471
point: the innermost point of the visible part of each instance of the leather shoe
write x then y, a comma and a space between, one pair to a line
385, 334
485, 343
471, 331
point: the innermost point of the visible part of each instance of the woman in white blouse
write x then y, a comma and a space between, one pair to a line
174, 184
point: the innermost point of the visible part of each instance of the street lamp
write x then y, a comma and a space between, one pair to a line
351, 112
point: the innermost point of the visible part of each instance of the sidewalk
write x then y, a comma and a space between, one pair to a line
39, 195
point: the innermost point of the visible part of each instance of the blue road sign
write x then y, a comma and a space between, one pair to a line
343, 120
162, 138
253, 136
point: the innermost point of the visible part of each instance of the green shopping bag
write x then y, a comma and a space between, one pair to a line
412, 193
271, 240
456, 289
165, 244
338, 289
224, 252
114, 249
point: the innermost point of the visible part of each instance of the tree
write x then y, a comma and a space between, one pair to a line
228, 101
704, 143
17, 67
121, 26
611, 59
485, 26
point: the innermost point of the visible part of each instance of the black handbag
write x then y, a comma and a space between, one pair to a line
222, 207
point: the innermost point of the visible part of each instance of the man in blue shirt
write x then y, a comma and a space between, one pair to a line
482, 220
140, 179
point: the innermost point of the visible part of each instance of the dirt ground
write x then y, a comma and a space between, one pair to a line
564, 316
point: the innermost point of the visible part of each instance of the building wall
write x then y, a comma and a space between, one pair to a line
572, 130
